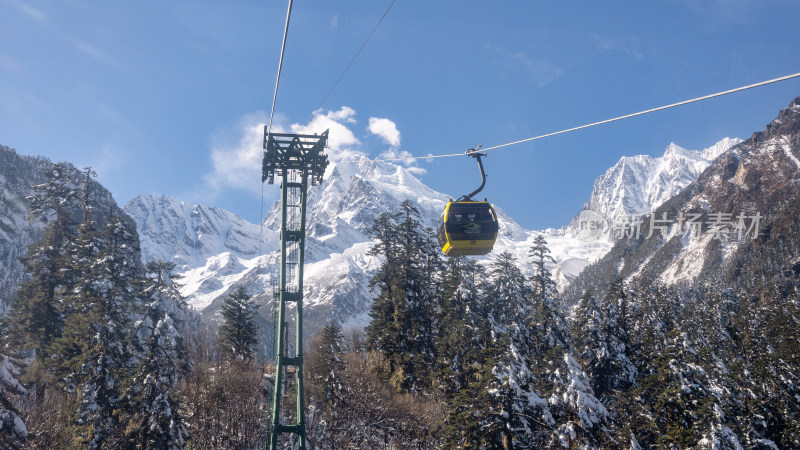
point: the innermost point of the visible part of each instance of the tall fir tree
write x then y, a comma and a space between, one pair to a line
578, 417
590, 341
94, 353
506, 411
13, 431
238, 332
464, 347
618, 372
403, 326
152, 410
330, 363
543, 285
36, 315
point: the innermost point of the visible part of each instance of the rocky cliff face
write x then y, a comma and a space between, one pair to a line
18, 175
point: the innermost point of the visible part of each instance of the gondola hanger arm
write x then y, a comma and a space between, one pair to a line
474, 153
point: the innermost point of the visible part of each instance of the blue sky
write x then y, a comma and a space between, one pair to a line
167, 97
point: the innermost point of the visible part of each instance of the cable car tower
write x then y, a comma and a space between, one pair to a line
296, 158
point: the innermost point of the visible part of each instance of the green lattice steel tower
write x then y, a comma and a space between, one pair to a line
296, 158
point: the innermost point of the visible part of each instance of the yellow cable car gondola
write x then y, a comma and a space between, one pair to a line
467, 226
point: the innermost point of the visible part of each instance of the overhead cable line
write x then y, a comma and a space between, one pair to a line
280, 66
354, 57
272, 113
627, 116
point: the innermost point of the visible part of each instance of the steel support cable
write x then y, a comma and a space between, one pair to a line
602, 122
375, 28
271, 114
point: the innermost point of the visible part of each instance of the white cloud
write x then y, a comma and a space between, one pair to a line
236, 153
386, 129
342, 143
335, 22
388, 132
237, 161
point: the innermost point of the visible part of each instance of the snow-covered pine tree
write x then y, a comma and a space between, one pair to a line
35, 316
13, 432
464, 347
600, 352
576, 416
618, 371
463, 331
153, 418
384, 331
551, 330
327, 392
403, 319
676, 395
501, 408
94, 353
543, 285
771, 335
590, 342
330, 363
238, 333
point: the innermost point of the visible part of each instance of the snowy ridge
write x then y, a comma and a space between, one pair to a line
216, 249
640, 184
189, 235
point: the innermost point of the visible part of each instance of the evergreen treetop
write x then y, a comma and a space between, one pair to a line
238, 332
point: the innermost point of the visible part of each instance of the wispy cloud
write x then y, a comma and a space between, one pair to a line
82, 46
627, 44
10, 64
541, 71
28, 10
723, 13
335, 22
90, 50
107, 160
405, 158
236, 156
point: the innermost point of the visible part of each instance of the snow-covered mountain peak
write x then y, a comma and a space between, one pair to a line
674, 149
639, 184
217, 250
214, 255
711, 153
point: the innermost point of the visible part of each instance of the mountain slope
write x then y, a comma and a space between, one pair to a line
214, 253
640, 184
731, 201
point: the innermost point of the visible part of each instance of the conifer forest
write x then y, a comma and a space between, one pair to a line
101, 351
